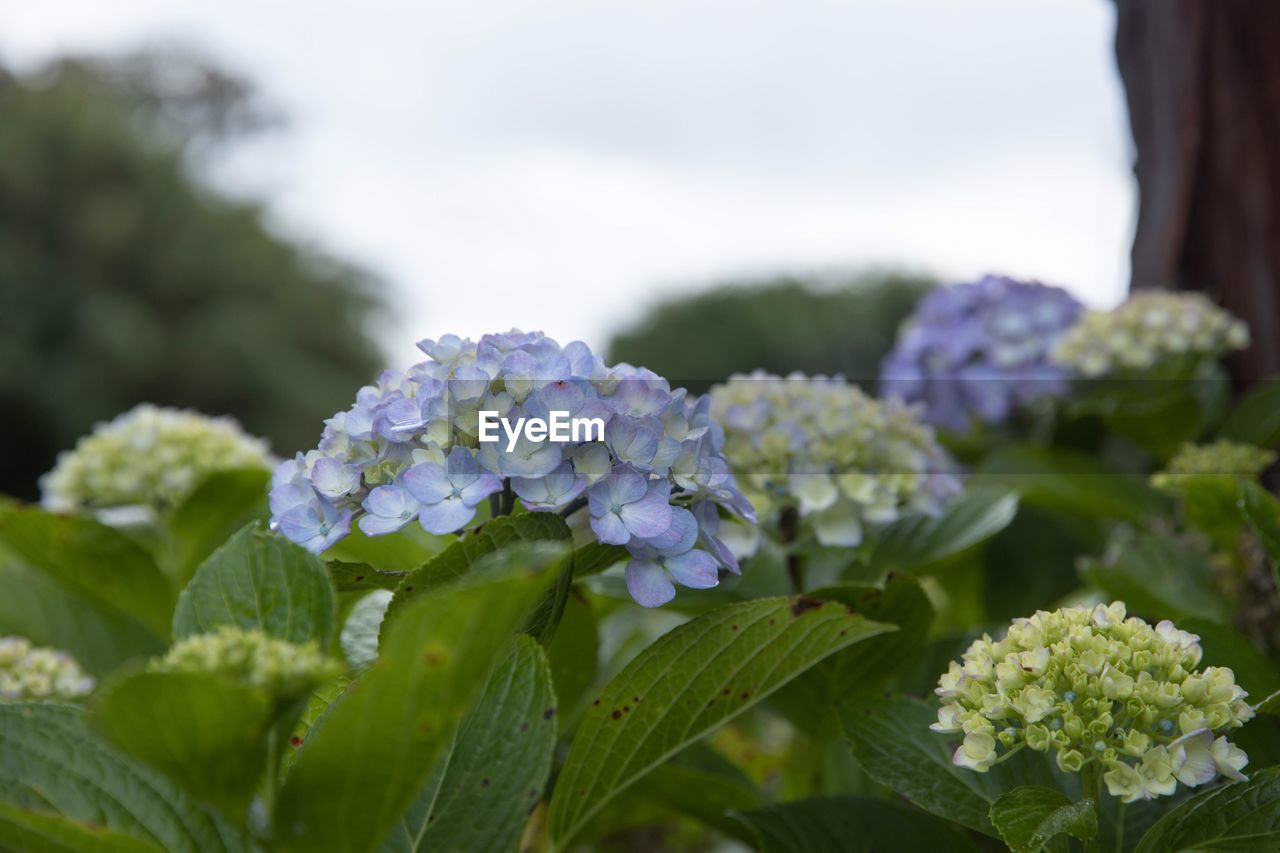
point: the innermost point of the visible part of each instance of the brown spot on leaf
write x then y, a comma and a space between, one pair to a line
484, 783
801, 603
549, 713
733, 627
524, 727
359, 578
295, 741
617, 715
746, 694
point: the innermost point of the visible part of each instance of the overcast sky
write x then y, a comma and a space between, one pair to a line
558, 165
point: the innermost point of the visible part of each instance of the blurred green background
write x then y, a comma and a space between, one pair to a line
125, 277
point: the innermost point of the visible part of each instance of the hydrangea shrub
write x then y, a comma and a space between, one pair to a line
841, 460
409, 451
1094, 686
974, 352
502, 690
149, 457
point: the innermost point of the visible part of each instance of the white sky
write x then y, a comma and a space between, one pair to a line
558, 165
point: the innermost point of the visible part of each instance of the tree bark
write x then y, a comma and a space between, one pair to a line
1202, 79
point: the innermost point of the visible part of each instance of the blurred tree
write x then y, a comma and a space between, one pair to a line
1203, 84
841, 324
124, 278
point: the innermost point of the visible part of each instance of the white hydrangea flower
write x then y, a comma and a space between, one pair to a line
149, 458
1095, 685
30, 673
1147, 329
277, 666
840, 459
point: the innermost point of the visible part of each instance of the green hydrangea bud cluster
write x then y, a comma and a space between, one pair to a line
148, 457
1091, 685
839, 457
251, 657
1221, 461
1145, 330
29, 673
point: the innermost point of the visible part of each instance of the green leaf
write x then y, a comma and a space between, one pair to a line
1158, 577
206, 733
574, 654
1069, 481
407, 549
594, 558
259, 580
1034, 561
892, 742
810, 700
367, 756
93, 560
97, 635
685, 685
362, 577
1028, 818
482, 791
24, 829
919, 540
546, 615
849, 825
1262, 511
1222, 646
456, 560
223, 503
50, 763
316, 706
1243, 817
701, 783
1255, 419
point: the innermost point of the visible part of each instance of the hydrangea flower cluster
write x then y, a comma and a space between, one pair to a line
251, 657
977, 351
1146, 329
820, 445
409, 449
1094, 686
1221, 460
29, 673
148, 457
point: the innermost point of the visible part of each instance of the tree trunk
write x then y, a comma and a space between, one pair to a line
1202, 78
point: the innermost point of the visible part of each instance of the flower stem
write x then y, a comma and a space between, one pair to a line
575, 505
788, 529
1120, 828
1091, 777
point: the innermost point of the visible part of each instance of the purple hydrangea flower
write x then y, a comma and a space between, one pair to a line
449, 491
653, 475
629, 505
671, 555
977, 351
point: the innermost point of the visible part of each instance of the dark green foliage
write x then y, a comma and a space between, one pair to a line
124, 279
842, 325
